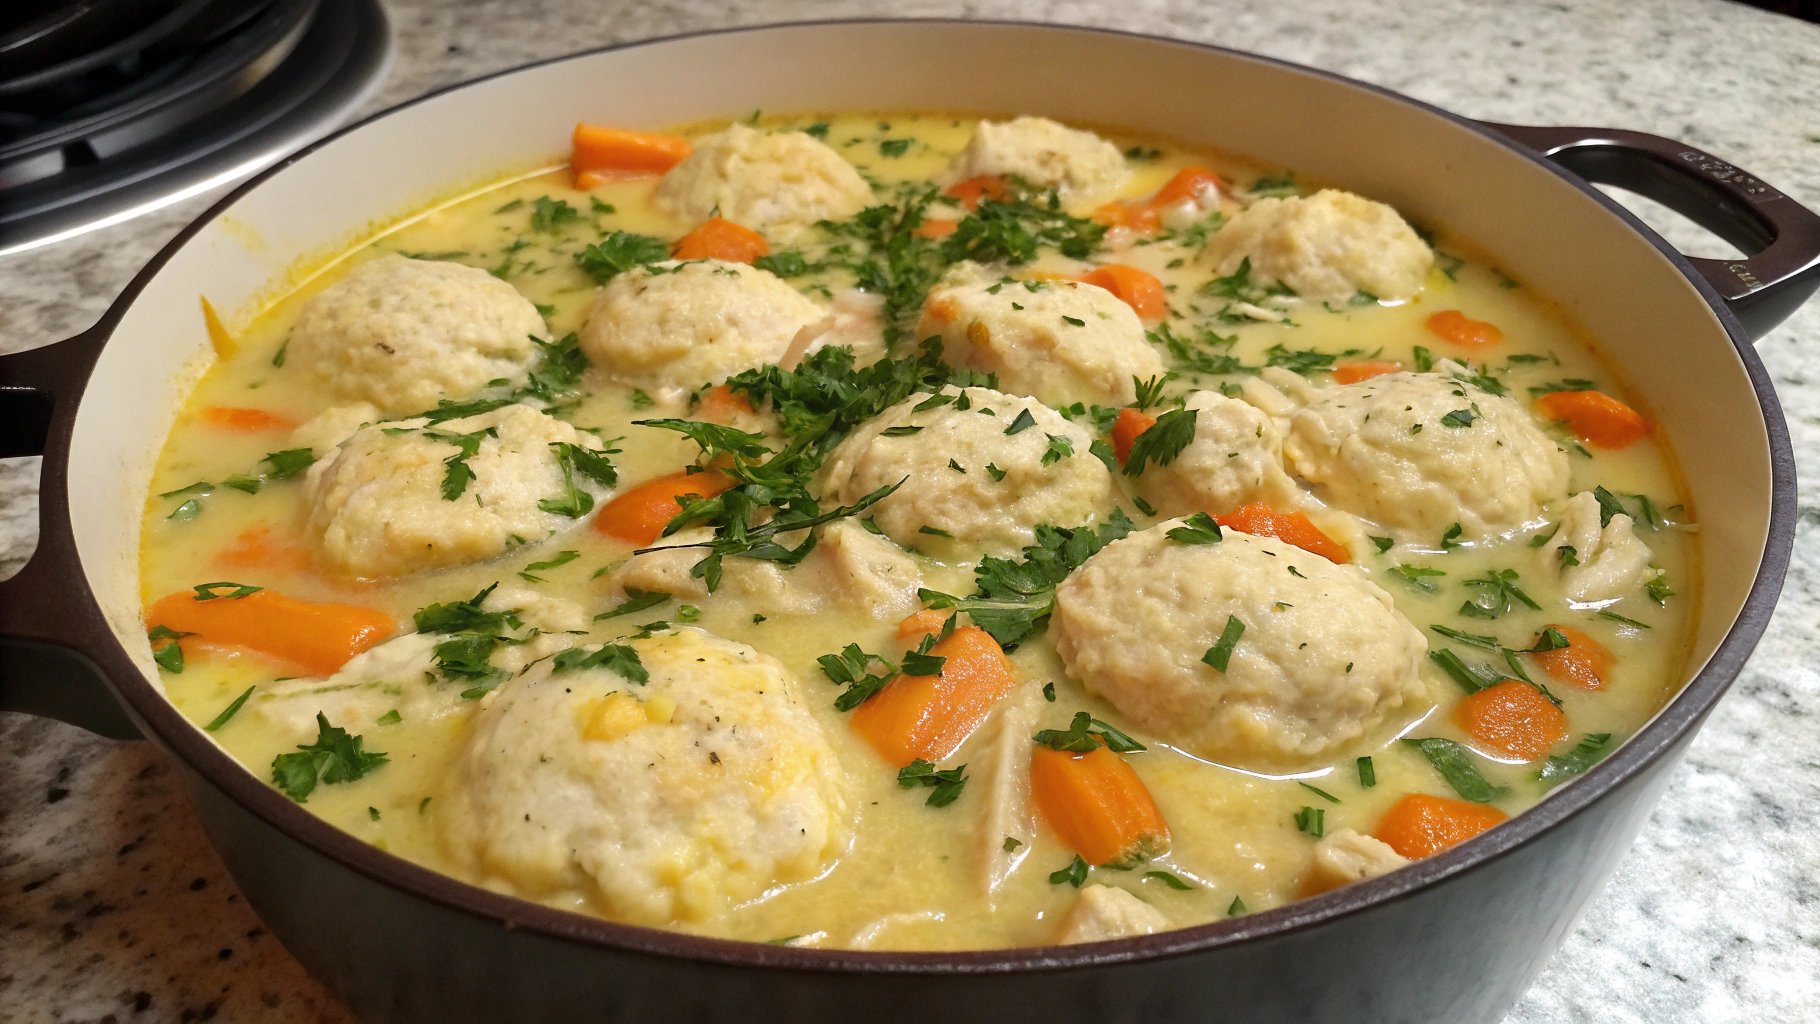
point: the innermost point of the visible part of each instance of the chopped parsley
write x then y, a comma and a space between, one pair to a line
1162, 442
1021, 422
1459, 418
1455, 764
853, 668
1074, 874
1312, 820
572, 459
1220, 654
224, 590
550, 216
231, 710
619, 252
335, 756
1584, 755
1084, 733
169, 654
528, 573
619, 659
1170, 880
1198, 528
1014, 597
636, 601
1368, 772
945, 784
1497, 593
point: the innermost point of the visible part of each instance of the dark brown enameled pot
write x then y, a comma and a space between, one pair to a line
1453, 938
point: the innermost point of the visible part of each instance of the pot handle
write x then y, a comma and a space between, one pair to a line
1781, 236
43, 617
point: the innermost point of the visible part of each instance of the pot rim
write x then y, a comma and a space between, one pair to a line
1678, 719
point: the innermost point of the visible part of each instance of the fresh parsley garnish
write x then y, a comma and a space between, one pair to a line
1086, 732
1455, 763
945, 784
617, 658
335, 756
231, 710
1075, 874
619, 252
1015, 596
1220, 654
1584, 755
1165, 439
224, 590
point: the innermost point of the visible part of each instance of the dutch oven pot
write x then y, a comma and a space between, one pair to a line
397, 941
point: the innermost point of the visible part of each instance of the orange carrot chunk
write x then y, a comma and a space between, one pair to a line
1188, 183
935, 229
598, 148
929, 717
1098, 806
1513, 718
721, 404
718, 238
973, 190
231, 417
1136, 288
917, 625
1584, 662
1261, 520
318, 638
256, 548
1595, 417
1126, 430
1137, 217
638, 515
1451, 325
1365, 369
1420, 825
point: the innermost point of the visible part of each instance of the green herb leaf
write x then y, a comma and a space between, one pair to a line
1317, 791
1220, 654
1368, 772
1455, 763
616, 658
1165, 440
619, 252
1074, 874
945, 785
231, 710
224, 590
1170, 880
1584, 755
1198, 528
1312, 820
852, 668
335, 756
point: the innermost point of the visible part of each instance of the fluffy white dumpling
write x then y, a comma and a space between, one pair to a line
377, 504
1323, 658
1047, 154
776, 183
1417, 452
662, 800
1326, 247
1019, 464
682, 325
1057, 341
402, 333
1606, 562
1235, 458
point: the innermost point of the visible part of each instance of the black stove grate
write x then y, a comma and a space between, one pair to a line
109, 108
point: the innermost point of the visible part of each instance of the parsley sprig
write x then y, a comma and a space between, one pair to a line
335, 756
1015, 596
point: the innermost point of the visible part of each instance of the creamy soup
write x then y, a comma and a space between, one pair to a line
981, 535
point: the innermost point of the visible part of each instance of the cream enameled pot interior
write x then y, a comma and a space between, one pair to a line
1652, 323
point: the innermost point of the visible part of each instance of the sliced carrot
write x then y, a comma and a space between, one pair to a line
318, 638
1126, 429
597, 148
1141, 218
718, 238
1098, 805
1584, 662
1420, 825
1595, 417
1513, 718
973, 190
1451, 325
1261, 520
230, 417
1365, 369
929, 717
638, 515
256, 548
1136, 288
935, 229
1188, 183
721, 404
917, 625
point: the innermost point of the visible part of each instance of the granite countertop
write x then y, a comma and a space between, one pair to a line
113, 907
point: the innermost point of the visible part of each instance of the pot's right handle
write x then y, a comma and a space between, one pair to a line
46, 616
1781, 236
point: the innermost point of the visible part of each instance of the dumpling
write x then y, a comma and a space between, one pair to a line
661, 799
1047, 154
682, 325
776, 183
1057, 341
1104, 912
1235, 458
1418, 452
402, 333
1322, 656
979, 468
379, 504
1345, 857
1326, 247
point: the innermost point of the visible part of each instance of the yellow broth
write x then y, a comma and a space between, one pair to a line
1235, 834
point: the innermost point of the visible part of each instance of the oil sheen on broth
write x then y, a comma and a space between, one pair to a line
1272, 759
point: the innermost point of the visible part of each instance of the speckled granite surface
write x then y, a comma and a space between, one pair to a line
112, 907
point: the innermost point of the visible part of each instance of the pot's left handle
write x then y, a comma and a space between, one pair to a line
45, 621
1782, 237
